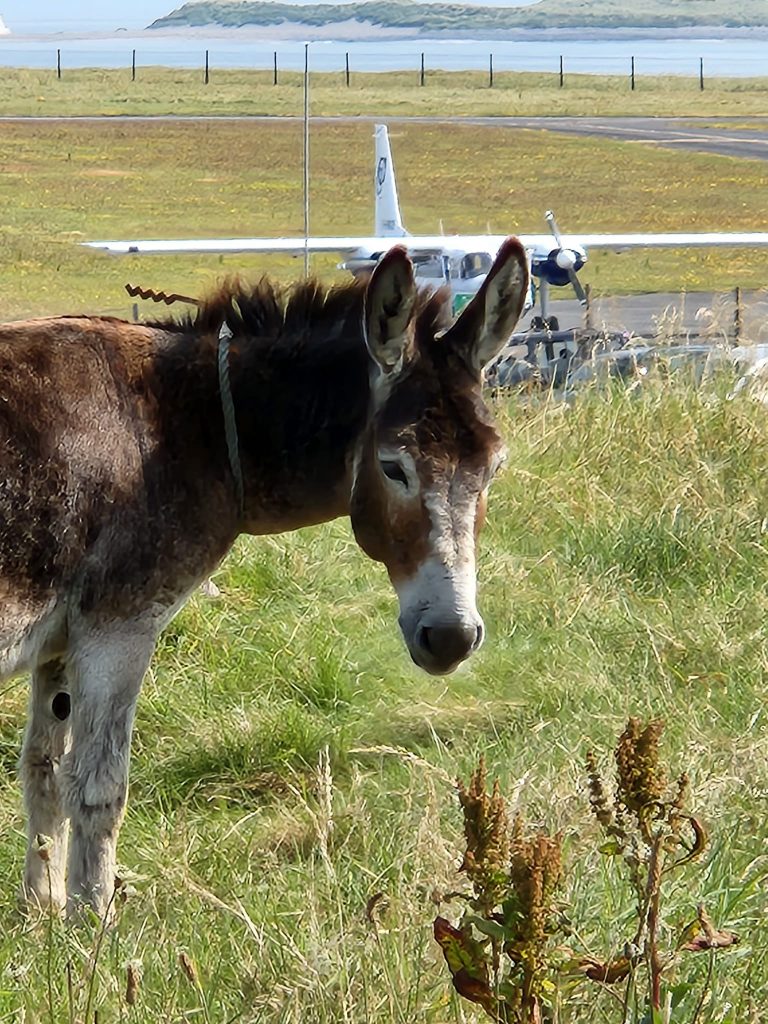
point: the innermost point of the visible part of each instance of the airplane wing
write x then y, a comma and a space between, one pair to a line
538, 245
657, 240
289, 246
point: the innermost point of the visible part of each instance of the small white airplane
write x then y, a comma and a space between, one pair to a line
460, 261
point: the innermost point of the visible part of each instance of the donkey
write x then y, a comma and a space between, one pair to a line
131, 456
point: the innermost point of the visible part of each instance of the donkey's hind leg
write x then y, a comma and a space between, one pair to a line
45, 742
107, 670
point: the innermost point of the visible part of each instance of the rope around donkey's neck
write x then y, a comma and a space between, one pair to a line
230, 423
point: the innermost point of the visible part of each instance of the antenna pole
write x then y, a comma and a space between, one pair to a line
306, 159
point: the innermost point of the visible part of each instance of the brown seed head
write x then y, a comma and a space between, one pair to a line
486, 831
187, 965
597, 796
535, 870
641, 779
133, 980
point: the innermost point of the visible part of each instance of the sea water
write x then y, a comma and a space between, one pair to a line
732, 57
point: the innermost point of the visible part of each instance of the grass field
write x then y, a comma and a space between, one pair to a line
65, 182
623, 571
182, 91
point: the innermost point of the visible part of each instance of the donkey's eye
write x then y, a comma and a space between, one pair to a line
394, 471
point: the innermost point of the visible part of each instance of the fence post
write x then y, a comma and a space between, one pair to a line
205, 79
274, 68
133, 66
632, 76
490, 70
701, 73
58, 63
346, 67
561, 72
422, 70
135, 311
738, 315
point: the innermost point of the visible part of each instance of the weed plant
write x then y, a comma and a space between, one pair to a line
503, 953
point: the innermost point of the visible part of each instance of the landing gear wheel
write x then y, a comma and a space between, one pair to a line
538, 324
552, 324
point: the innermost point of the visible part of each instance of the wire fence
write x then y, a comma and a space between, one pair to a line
699, 59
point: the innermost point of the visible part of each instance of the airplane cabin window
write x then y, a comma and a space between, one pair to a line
429, 269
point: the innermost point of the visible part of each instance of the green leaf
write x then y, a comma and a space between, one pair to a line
679, 992
610, 848
510, 911
460, 950
492, 929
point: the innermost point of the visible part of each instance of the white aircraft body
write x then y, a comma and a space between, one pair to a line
460, 261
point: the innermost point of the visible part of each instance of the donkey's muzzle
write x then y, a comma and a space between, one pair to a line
440, 648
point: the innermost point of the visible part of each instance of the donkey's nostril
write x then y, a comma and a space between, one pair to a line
422, 639
443, 646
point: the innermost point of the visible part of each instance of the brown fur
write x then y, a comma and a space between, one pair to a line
117, 497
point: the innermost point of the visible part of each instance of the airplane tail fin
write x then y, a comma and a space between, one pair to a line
388, 222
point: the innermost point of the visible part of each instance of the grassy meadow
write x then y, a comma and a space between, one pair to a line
289, 763
622, 572
86, 91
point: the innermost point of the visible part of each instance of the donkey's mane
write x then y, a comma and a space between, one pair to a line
282, 314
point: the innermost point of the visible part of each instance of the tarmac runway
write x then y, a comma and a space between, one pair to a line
745, 137
678, 315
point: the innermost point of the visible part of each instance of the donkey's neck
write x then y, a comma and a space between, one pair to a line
300, 408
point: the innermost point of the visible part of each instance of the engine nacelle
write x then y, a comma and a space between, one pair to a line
556, 268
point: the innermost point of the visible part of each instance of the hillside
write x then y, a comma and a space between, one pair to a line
444, 17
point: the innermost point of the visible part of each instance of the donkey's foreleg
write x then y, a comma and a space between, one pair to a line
45, 742
107, 673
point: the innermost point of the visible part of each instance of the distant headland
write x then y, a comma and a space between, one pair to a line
466, 20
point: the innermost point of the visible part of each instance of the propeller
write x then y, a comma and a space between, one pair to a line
566, 258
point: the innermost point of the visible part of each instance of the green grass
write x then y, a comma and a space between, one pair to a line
622, 572
65, 182
182, 91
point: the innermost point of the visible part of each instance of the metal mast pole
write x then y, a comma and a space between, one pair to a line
306, 159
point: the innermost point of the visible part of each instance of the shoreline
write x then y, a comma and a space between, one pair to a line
352, 30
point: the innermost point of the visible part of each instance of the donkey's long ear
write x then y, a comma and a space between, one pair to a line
390, 299
484, 326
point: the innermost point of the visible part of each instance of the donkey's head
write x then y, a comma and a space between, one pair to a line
430, 449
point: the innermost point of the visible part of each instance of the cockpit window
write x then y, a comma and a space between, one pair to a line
475, 263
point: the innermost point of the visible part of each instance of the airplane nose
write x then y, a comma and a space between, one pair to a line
441, 647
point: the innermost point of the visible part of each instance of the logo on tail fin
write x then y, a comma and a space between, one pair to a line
381, 174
